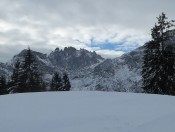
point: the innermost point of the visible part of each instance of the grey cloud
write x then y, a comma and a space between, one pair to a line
135, 13
36, 21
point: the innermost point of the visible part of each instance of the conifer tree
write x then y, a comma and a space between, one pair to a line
169, 67
29, 75
3, 88
66, 83
14, 83
56, 82
158, 59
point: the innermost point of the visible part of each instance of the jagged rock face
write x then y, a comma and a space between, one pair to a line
72, 59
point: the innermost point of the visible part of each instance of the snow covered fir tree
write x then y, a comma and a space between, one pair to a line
15, 79
66, 82
56, 83
26, 76
60, 84
3, 85
158, 69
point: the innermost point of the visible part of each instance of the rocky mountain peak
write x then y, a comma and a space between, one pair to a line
73, 59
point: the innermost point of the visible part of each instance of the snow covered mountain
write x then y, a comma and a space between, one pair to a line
119, 74
88, 70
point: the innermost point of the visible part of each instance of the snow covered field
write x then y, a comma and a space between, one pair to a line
86, 112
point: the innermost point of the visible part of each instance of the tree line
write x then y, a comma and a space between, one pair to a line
26, 77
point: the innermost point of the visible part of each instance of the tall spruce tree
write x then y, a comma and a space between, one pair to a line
158, 59
3, 88
14, 83
29, 76
56, 83
66, 83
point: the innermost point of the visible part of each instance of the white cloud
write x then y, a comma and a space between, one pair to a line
109, 53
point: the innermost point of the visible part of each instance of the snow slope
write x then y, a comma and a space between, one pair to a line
86, 112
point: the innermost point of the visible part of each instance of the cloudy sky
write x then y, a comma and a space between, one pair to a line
110, 27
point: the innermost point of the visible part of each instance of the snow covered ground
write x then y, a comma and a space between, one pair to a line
86, 112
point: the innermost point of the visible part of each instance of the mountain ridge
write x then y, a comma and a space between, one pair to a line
88, 70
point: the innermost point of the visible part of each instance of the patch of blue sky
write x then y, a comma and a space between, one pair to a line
114, 46
123, 45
